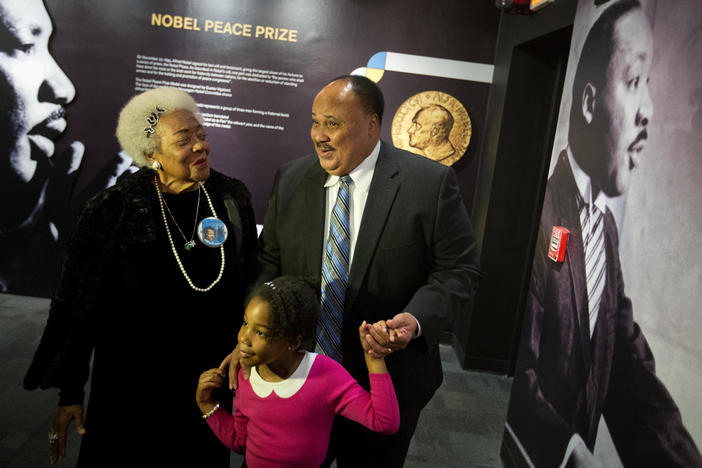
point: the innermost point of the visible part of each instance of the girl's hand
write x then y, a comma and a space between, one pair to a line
362, 332
379, 339
209, 380
375, 364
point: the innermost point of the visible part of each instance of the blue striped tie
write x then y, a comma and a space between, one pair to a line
335, 275
592, 222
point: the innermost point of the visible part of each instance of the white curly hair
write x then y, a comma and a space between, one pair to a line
138, 120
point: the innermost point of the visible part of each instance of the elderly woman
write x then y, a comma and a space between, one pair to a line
147, 298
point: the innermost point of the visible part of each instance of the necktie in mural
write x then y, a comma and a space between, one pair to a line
592, 222
335, 275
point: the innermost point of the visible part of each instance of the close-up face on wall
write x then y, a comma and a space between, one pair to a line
623, 107
33, 89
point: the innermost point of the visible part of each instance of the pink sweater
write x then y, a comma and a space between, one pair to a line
289, 425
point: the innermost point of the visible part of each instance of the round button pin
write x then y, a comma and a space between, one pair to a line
212, 232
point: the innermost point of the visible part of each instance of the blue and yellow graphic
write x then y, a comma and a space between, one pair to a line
381, 62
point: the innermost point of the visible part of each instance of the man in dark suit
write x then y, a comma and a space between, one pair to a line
412, 249
582, 356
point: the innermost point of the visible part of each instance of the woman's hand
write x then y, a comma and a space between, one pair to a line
64, 416
209, 380
233, 361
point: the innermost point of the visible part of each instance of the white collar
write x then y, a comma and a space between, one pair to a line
362, 175
285, 388
584, 184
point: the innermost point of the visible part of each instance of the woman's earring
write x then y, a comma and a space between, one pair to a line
156, 165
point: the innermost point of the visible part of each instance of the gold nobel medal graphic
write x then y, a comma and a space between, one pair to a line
432, 124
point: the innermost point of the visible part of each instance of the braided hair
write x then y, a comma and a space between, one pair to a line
293, 304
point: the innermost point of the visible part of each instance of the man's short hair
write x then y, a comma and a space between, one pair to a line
367, 92
597, 51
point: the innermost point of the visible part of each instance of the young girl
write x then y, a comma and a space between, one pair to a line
284, 411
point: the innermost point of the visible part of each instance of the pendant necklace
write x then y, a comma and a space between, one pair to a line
189, 244
170, 239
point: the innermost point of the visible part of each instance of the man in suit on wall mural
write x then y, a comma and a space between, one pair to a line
412, 259
582, 355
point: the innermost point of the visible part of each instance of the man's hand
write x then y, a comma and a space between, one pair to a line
392, 335
233, 360
404, 328
64, 416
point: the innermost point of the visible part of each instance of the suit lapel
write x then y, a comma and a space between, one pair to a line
575, 253
313, 229
383, 189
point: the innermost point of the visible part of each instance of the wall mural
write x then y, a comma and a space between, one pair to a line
609, 369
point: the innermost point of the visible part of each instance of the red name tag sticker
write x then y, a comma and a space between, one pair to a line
557, 246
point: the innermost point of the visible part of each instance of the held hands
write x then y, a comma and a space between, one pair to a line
58, 433
376, 365
233, 360
209, 380
385, 337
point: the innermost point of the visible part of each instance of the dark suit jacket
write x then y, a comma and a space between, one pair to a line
415, 252
565, 381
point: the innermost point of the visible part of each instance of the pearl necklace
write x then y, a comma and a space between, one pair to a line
175, 252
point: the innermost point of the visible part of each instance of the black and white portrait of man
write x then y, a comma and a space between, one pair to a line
34, 91
587, 371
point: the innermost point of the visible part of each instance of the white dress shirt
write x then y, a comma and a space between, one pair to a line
361, 176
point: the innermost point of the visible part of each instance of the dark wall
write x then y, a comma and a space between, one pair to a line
254, 126
530, 63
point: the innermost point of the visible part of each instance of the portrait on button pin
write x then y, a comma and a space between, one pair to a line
212, 232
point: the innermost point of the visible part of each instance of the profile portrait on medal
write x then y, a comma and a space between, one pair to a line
430, 130
432, 124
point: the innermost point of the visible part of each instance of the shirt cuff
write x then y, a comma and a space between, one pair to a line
418, 333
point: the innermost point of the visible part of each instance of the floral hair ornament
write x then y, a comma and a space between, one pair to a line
152, 120
271, 285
